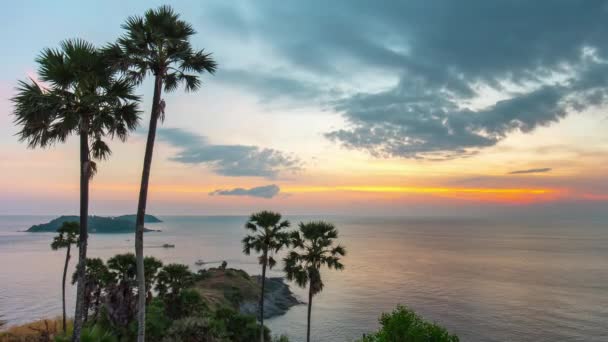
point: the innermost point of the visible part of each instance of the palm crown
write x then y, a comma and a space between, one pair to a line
268, 235
83, 95
81, 82
159, 43
315, 242
68, 235
173, 278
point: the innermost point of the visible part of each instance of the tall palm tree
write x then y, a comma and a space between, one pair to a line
97, 277
313, 247
82, 95
269, 236
158, 44
68, 235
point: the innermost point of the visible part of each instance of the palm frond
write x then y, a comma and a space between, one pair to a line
84, 96
100, 150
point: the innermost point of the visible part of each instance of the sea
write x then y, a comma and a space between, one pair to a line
505, 279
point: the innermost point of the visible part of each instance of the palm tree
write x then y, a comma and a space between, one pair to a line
97, 277
158, 44
82, 95
68, 235
314, 247
151, 267
268, 236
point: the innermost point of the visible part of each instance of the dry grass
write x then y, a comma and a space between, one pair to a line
40, 331
219, 284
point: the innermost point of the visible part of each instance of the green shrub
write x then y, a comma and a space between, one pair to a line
157, 321
190, 303
92, 334
192, 329
239, 327
404, 325
202, 275
233, 295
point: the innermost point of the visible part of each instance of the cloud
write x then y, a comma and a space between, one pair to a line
545, 60
519, 172
228, 160
270, 85
266, 191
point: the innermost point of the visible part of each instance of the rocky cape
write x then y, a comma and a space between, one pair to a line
277, 301
97, 224
239, 290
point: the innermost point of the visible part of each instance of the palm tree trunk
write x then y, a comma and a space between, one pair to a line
262, 297
309, 309
141, 211
65, 272
97, 299
84, 215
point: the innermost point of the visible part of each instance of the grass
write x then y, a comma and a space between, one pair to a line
227, 287
39, 331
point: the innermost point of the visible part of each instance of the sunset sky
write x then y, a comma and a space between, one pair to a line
362, 107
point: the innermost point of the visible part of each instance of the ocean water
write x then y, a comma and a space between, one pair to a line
485, 280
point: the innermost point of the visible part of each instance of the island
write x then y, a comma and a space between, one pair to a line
97, 224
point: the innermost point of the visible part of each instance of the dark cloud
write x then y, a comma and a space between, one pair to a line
267, 191
271, 85
228, 160
519, 172
441, 51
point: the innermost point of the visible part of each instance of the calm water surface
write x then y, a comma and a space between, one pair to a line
486, 280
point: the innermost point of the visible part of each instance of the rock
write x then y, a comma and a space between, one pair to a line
277, 300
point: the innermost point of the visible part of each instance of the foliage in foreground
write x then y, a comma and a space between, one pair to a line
177, 313
404, 325
42, 330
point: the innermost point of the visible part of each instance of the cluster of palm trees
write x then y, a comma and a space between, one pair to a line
312, 246
88, 91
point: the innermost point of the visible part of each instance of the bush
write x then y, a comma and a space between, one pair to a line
192, 329
404, 325
233, 295
190, 303
238, 327
92, 334
202, 275
157, 321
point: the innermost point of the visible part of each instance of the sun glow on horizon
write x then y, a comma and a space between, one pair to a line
487, 194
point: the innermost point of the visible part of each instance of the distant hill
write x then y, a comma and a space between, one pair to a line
97, 224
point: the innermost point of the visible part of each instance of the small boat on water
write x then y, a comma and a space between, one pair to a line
199, 262
168, 245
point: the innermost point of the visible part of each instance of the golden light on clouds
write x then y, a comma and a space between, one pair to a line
508, 195
418, 190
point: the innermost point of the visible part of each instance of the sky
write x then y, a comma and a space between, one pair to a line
340, 107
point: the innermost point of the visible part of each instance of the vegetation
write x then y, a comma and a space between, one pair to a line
314, 248
188, 306
97, 224
39, 331
82, 95
404, 325
88, 92
158, 44
268, 237
68, 235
